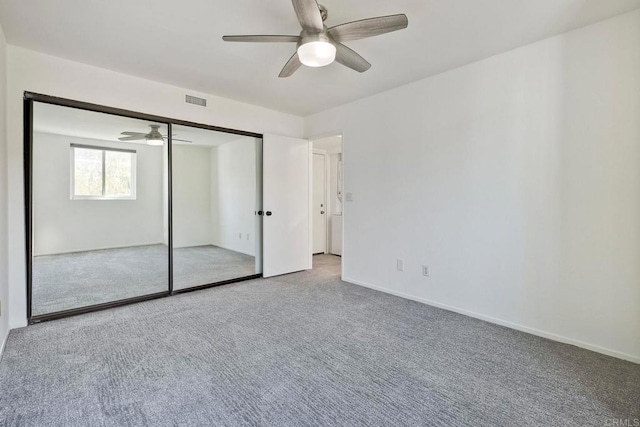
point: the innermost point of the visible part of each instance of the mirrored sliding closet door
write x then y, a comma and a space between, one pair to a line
216, 204
99, 227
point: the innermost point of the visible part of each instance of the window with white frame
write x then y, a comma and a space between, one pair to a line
102, 173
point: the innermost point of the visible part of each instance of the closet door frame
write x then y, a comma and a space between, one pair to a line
28, 101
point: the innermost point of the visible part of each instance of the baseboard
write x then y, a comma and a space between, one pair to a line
102, 248
237, 250
21, 324
3, 344
192, 245
518, 327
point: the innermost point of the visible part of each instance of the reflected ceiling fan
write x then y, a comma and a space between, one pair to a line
154, 137
318, 45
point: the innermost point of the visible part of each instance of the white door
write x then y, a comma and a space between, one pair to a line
319, 207
286, 203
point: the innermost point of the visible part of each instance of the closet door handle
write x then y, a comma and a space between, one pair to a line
260, 213
268, 213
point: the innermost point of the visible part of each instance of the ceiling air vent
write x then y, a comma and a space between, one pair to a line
195, 100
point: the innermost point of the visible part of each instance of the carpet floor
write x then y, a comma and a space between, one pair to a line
303, 349
80, 279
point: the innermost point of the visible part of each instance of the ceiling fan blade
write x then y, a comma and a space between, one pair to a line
131, 138
357, 30
291, 66
140, 134
309, 15
262, 39
181, 140
349, 58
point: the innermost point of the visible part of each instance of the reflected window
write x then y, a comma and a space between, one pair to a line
102, 173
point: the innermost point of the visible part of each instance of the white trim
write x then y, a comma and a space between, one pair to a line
3, 344
197, 245
310, 204
343, 203
72, 251
518, 327
21, 324
327, 209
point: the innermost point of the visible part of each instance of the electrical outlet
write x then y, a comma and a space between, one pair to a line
425, 270
349, 197
399, 265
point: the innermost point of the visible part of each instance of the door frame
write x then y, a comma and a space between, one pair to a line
339, 133
327, 203
28, 100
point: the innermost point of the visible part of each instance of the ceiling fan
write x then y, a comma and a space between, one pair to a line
154, 137
318, 45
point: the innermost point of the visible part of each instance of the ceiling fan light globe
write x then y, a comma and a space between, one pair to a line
155, 142
317, 53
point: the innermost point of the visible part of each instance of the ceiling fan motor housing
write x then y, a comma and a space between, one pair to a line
307, 37
155, 134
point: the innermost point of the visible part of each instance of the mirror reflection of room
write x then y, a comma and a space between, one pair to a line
97, 209
216, 232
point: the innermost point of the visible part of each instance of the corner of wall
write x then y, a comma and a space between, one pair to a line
4, 241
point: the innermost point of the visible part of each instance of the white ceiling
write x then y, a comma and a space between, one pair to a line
65, 121
179, 42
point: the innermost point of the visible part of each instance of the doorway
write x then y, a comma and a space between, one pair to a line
327, 212
319, 211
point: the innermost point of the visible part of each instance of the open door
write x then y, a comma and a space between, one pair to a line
287, 205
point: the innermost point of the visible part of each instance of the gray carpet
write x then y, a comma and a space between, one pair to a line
302, 350
62, 282
201, 265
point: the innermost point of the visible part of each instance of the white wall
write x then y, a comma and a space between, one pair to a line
235, 193
36, 72
515, 179
62, 225
214, 195
191, 196
4, 241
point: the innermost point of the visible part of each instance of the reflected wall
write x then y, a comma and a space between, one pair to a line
215, 199
97, 210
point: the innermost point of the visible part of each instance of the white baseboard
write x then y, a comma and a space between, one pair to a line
21, 324
522, 328
192, 245
195, 245
236, 250
3, 344
101, 248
